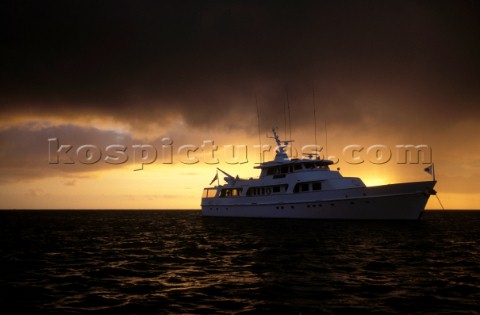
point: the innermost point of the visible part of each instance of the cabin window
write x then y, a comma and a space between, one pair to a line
281, 170
230, 192
266, 190
209, 193
304, 187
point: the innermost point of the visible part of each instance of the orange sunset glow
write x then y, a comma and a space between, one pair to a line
174, 78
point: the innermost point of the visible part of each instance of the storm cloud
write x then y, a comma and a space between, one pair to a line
143, 61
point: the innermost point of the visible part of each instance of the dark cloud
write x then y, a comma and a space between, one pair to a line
34, 150
142, 61
26, 152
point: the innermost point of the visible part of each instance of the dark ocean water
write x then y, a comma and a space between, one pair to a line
160, 262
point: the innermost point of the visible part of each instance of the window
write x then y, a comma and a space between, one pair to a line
282, 170
209, 193
230, 192
304, 187
266, 190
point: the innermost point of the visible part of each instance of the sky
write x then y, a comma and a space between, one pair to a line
120, 104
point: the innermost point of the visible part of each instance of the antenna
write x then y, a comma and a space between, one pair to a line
326, 143
315, 120
258, 123
285, 119
289, 123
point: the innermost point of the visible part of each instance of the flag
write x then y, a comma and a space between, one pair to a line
429, 169
214, 179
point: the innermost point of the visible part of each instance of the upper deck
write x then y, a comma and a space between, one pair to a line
276, 168
285, 176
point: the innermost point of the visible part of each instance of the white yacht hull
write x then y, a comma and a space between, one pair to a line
389, 202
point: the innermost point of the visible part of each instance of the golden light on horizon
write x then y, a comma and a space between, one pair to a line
178, 183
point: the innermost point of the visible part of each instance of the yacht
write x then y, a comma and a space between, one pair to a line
306, 188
